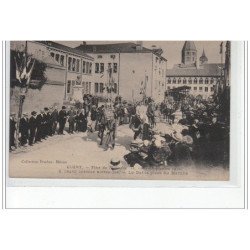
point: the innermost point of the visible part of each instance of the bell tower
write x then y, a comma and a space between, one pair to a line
189, 53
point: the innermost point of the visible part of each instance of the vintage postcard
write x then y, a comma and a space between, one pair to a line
139, 110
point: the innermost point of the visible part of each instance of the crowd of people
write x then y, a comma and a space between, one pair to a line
190, 129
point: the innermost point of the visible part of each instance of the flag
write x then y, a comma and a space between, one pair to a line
221, 48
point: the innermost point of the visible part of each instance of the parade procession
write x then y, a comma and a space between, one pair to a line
121, 103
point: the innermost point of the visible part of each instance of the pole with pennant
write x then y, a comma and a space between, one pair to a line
24, 69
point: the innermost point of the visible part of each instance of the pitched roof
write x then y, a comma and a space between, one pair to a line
210, 69
128, 47
65, 48
189, 45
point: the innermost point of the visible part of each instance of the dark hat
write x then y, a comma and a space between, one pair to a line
33, 113
63, 107
115, 164
46, 109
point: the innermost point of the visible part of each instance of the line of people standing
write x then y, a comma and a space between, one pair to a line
36, 127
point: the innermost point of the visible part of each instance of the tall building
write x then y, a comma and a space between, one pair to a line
132, 69
68, 73
202, 77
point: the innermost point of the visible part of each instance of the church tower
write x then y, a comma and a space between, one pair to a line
203, 58
189, 53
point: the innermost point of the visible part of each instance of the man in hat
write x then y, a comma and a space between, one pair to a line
54, 119
46, 119
32, 127
93, 117
62, 117
12, 130
216, 139
151, 113
24, 129
39, 131
136, 125
71, 119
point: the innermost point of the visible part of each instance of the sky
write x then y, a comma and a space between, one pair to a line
171, 49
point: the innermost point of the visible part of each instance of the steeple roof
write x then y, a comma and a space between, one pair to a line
203, 57
189, 45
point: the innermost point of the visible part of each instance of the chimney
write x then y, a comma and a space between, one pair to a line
84, 43
139, 45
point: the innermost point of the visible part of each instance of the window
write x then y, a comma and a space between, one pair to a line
96, 87
52, 54
184, 80
77, 65
195, 80
115, 87
69, 63
74, 64
212, 89
193, 53
89, 87
200, 89
83, 85
201, 81
206, 89
112, 56
190, 80
57, 57
69, 87
169, 80
97, 68
99, 56
83, 67
174, 80
187, 53
62, 60
87, 67
179, 80
101, 87
90, 68
115, 67
101, 67
206, 81
188, 58
195, 88
212, 80
168, 87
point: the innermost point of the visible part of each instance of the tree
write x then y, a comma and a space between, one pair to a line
24, 68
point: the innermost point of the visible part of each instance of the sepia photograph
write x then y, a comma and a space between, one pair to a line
135, 110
